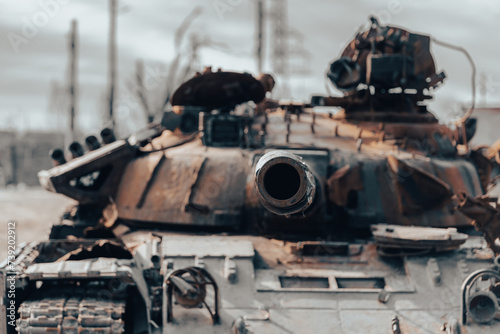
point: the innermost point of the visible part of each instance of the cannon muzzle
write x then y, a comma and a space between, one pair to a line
92, 143
284, 183
76, 149
107, 136
57, 156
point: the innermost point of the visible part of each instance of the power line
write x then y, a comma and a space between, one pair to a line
112, 58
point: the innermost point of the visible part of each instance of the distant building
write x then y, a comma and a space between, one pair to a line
23, 155
7, 150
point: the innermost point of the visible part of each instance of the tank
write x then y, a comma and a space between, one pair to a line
359, 213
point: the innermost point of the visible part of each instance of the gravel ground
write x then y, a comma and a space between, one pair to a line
33, 210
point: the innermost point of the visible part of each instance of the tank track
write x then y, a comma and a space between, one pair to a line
77, 313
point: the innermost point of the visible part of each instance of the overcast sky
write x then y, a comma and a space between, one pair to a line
34, 47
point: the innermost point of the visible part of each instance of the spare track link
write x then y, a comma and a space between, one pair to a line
72, 314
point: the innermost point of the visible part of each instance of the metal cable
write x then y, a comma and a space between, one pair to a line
473, 79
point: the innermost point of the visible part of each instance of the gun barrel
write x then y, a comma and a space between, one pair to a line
284, 183
57, 156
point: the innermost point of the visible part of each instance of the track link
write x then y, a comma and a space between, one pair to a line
71, 313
